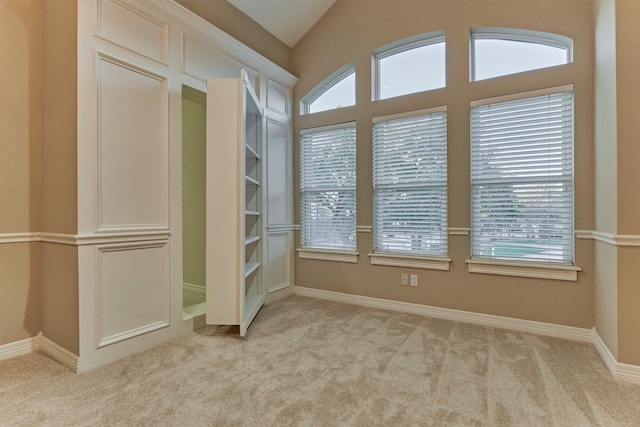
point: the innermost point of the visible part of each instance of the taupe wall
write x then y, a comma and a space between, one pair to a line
349, 31
234, 22
628, 175
60, 316
20, 131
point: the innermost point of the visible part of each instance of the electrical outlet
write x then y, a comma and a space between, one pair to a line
404, 279
414, 280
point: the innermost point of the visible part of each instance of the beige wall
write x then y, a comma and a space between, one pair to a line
234, 22
59, 172
335, 41
59, 111
20, 132
194, 170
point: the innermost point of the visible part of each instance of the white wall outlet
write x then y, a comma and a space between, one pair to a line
404, 279
414, 280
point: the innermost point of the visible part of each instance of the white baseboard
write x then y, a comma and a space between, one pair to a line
59, 354
279, 292
199, 289
40, 343
529, 326
620, 371
19, 348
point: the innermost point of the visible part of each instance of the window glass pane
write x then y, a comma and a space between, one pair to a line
410, 185
328, 187
522, 179
341, 94
495, 57
413, 70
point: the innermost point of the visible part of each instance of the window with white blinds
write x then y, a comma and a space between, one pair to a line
410, 183
328, 187
522, 177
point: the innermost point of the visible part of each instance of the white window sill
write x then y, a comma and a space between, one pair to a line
328, 255
524, 269
394, 260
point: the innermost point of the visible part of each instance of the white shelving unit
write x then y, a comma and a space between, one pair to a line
235, 203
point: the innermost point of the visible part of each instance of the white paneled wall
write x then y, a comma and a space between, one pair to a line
133, 58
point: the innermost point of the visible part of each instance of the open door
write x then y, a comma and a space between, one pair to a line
235, 203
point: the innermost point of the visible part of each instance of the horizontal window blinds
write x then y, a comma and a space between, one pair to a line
522, 179
328, 187
410, 184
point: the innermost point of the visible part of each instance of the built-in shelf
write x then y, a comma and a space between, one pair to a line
251, 153
235, 286
250, 267
251, 180
252, 239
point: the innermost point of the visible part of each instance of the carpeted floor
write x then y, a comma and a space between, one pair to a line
308, 362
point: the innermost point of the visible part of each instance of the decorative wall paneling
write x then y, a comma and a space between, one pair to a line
133, 58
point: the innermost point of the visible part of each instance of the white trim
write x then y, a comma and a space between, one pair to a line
328, 255
324, 86
59, 354
276, 288
19, 237
605, 354
199, 289
327, 128
459, 231
440, 109
522, 95
84, 239
516, 34
364, 228
194, 310
220, 40
410, 261
59, 238
19, 348
274, 229
521, 325
620, 371
523, 269
632, 240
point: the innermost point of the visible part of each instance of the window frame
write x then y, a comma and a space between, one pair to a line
340, 254
325, 85
546, 269
516, 35
408, 258
397, 47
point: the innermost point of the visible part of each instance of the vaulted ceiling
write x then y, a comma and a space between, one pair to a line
288, 20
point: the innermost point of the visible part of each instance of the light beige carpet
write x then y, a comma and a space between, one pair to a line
309, 362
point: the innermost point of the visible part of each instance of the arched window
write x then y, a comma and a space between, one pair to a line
411, 65
336, 91
500, 51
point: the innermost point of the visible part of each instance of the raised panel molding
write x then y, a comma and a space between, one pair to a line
126, 27
278, 98
133, 292
279, 249
133, 146
218, 39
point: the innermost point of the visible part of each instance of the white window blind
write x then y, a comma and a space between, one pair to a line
410, 184
522, 179
328, 187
